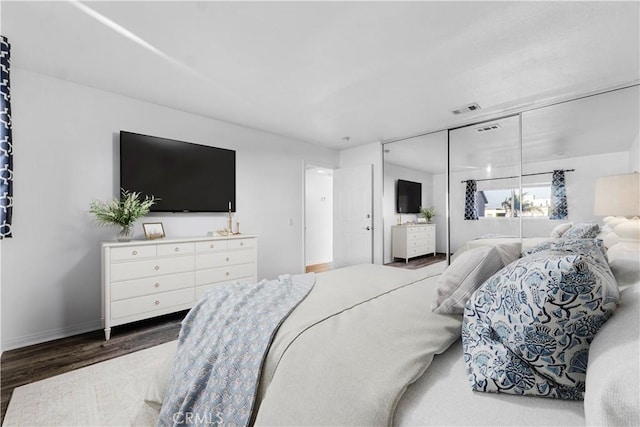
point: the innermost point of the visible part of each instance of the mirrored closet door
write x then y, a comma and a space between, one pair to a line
415, 172
484, 183
566, 148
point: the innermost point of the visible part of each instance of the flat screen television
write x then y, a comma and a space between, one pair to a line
408, 196
186, 177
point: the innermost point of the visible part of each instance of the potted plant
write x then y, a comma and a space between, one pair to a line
428, 213
122, 212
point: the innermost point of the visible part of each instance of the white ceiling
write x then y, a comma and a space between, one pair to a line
605, 123
320, 71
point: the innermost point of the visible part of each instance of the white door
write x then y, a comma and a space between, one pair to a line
353, 215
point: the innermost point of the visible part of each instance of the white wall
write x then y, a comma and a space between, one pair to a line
66, 155
319, 218
580, 196
370, 154
634, 155
392, 173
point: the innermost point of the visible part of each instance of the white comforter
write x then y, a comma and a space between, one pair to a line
347, 353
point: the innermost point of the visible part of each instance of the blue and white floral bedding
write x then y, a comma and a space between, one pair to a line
527, 330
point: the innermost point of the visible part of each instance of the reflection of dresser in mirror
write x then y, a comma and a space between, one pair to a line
412, 240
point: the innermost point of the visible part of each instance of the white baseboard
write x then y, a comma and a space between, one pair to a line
53, 334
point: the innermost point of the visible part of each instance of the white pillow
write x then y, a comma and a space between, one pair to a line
610, 239
625, 266
509, 252
458, 282
612, 395
560, 229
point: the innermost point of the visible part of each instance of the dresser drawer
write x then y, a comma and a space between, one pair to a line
417, 242
242, 243
200, 290
151, 285
411, 236
417, 251
153, 267
224, 274
133, 252
149, 303
222, 259
211, 246
175, 249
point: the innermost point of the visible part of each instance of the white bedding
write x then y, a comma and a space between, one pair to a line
443, 397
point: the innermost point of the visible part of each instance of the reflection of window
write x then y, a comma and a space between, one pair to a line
506, 202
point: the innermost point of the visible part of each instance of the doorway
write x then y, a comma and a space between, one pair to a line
318, 218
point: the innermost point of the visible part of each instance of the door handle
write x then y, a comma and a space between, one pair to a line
367, 228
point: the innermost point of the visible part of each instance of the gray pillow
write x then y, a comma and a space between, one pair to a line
458, 282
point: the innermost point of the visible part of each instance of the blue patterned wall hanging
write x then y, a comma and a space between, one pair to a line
559, 209
6, 143
470, 201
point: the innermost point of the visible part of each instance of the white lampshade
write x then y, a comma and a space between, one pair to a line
618, 195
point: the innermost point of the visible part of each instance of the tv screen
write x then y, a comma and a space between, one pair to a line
408, 196
185, 177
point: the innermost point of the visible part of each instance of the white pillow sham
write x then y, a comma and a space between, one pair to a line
560, 229
458, 282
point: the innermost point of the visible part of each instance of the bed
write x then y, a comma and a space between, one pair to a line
364, 348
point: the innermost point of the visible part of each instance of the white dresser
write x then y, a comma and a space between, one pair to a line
413, 240
147, 278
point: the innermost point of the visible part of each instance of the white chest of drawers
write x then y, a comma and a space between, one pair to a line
410, 241
143, 279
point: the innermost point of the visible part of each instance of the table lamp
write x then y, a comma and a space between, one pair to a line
619, 195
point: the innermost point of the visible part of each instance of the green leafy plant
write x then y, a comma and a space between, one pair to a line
428, 213
122, 212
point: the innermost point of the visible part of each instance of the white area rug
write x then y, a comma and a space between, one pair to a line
109, 393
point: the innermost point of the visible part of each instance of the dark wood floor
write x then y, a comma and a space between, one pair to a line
418, 262
37, 362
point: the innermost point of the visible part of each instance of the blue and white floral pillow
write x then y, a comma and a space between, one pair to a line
584, 230
589, 247
527, 329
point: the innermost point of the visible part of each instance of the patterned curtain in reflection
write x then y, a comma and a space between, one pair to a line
470, 200
6, 147
559, 209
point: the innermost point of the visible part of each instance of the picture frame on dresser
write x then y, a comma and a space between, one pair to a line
153, 230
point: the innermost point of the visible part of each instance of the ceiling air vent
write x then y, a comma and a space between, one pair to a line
466, 109
488, 128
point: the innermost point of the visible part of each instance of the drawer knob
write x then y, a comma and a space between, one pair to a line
226, 274
211, 246
157, 285
157, 267
177, 249
134, 253
241, 243
227, 258
157, 302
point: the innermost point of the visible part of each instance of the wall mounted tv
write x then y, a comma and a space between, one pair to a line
186, 177
408, 196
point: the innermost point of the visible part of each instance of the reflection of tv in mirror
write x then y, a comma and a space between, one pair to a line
408, 196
